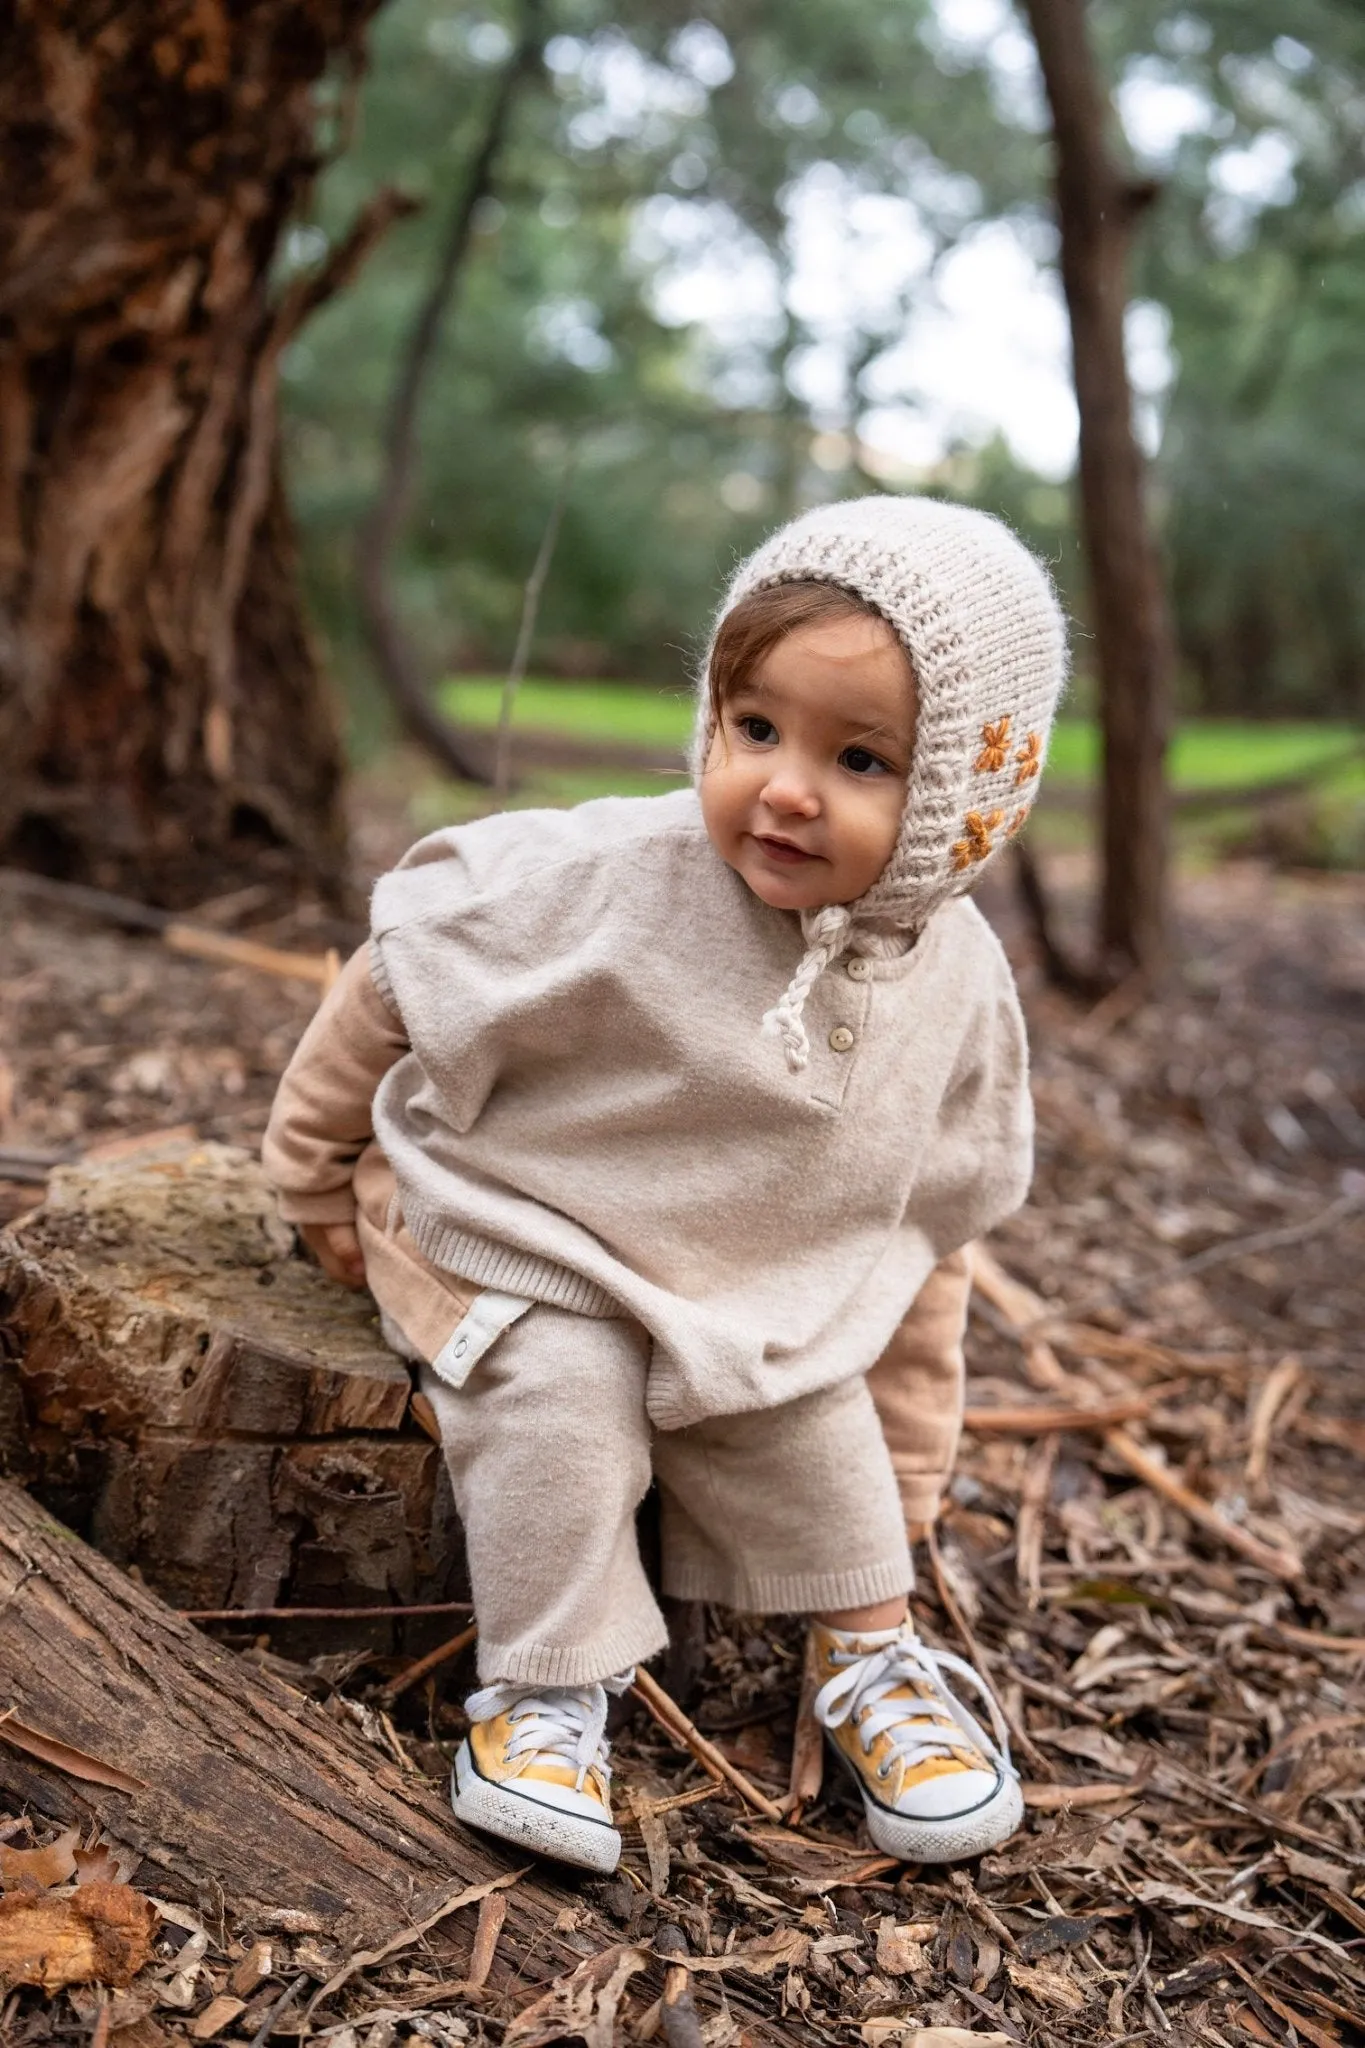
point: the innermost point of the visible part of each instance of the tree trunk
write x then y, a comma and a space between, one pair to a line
163, 723
395, 658
207, 1407
1096, 207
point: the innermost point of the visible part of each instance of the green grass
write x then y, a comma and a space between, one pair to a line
1206, 754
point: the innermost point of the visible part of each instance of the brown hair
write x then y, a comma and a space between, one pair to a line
763, 618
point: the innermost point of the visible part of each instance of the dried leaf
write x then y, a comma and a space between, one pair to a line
77, 1763
900, 1950
654, 1835
566, 2009
1154, 1894
784, 1948
105, 1863
101, 1934
53, 1864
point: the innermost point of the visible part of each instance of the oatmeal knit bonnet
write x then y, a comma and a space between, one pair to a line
981, 624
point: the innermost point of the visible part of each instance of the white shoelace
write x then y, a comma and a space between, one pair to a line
567, 1722
930, 1727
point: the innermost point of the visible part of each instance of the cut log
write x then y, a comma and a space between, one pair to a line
202, 1403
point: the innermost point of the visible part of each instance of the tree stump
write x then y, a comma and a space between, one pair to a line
181, 1387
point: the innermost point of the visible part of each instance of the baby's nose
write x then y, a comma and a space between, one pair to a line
789, 791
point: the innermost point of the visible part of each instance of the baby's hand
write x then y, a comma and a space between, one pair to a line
336, 1248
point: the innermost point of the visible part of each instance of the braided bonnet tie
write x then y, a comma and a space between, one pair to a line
827, 933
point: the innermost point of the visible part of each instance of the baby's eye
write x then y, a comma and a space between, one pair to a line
860, 762
761, 731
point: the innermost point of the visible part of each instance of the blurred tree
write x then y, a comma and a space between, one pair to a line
1097, 204
162, 723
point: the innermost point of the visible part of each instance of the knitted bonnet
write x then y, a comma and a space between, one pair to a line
985, 635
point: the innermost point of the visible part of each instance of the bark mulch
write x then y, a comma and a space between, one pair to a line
1169, 1594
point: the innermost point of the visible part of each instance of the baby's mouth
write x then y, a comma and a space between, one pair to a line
785, 851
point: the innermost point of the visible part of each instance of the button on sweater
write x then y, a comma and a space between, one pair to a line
589, 1115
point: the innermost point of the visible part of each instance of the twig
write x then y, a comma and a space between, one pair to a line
198, 941
322, 1613
1281, 1564
1049, 1421
675, 1722
530, 609
808, 1742
492, 1913
1020, 1307
411, 1673
1279, 1385
365, 1959
1266, 1240
974, 1652
678, 2017
278, 2011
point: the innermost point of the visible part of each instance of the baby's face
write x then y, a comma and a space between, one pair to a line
805, 781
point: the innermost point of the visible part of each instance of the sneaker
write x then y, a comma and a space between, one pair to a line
935, 1785
533, 1769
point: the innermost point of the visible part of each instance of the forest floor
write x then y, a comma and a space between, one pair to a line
1193, 1865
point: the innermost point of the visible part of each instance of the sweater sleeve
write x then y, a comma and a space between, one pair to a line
917, 1383
321, 1119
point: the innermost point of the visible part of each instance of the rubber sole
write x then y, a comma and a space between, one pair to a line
512, 1817
950, 1840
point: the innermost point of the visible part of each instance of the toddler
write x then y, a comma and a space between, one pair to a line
659, 1129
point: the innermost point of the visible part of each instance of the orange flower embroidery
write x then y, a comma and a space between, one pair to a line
1016, 823
995, 741
977, 844
1029, 758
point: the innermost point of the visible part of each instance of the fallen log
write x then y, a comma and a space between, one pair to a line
250, 1800
251, 1791
180, 1386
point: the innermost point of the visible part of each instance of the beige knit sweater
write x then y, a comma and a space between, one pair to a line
589, 1115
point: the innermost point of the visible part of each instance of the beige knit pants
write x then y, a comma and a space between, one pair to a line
550, 1452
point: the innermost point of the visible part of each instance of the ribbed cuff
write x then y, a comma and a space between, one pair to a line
792, 1592
576, 1664
505, 1269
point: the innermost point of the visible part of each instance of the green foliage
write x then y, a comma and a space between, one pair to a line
650, 131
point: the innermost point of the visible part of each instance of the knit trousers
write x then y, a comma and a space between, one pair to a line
550, 1453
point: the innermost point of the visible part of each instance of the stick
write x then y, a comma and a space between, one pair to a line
677, 2009
969, 1643
1281, 1564
411, 1673
1048, 1421
365, 1959
182, 937
1020, 1307
808, 1742
530, 607
674, 1722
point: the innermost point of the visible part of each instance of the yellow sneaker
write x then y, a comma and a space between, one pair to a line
534, 1769
935, 1785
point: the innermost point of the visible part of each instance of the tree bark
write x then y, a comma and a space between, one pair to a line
1096, 208
394, 656
253, 1796
163, 722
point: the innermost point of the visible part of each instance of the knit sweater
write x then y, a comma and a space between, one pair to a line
588, 1117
